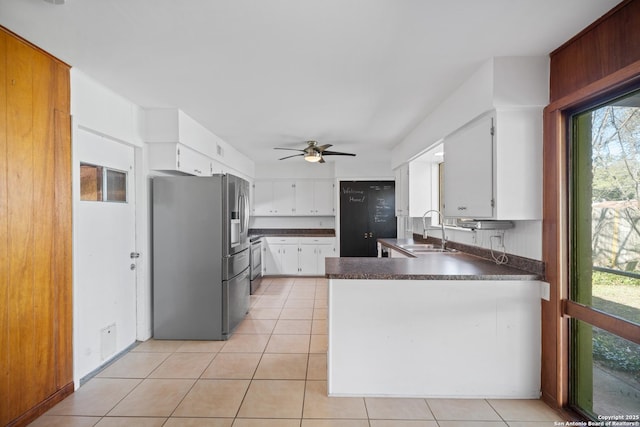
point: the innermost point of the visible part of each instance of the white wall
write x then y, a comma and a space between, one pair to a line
98, 110
498, 83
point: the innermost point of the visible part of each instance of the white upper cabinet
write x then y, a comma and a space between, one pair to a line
289, 197
314, 198
273, 198
173, 126
493, 167
401, 174
414, 188
283, 202
176, 157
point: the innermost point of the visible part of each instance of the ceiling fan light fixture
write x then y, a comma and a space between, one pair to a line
312, 156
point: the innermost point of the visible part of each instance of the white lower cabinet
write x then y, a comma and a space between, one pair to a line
280, 256
311, 255
293, 256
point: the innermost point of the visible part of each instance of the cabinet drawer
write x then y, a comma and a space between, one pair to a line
282, 240
317, 240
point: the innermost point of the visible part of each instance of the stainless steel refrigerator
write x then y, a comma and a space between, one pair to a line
200, 256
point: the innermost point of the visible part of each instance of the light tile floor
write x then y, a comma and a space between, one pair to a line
272, 372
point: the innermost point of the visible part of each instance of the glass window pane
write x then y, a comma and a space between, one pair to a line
606, 208
608, 372
90, 182
116, 186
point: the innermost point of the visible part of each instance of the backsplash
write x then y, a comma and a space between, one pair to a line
515, 261
292, 222
524, 240
328, 232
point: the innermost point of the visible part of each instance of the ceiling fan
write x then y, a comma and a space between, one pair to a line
314, 152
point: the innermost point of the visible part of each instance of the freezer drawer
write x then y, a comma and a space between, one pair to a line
234, 264
235, 293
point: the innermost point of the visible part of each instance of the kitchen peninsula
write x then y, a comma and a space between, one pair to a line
440, 324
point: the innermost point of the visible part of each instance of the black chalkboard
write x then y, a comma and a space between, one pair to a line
367, 212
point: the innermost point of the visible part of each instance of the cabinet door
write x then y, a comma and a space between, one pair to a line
307, 260
283, 198
402, 190
305, 198
323, 199
192, 162
270, 259
468, 171
420, 186
322, 252
289, 260
262, 197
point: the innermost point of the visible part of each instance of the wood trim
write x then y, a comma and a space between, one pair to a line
33, 46
589, 27
42, 407
555, 240
615, 325
589, 94
609, 44
555, 328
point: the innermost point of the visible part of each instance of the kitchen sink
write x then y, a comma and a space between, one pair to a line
425, 248
419, 246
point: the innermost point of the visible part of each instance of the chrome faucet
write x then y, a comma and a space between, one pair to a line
424, 226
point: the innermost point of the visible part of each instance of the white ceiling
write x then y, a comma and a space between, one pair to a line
358, 74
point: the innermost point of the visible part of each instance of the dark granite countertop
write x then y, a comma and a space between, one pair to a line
292, 232
431, 266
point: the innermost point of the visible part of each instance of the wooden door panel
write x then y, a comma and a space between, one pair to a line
44, 226
62, 261
4, 253
22, 354
35, 241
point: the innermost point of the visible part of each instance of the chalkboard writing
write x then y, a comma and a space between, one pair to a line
384, 210
354, 195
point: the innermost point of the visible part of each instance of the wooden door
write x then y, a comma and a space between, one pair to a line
35, 244
366, 213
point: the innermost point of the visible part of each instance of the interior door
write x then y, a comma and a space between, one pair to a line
367, 212
105, 250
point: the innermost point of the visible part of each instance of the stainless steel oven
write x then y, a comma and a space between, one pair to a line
255, 263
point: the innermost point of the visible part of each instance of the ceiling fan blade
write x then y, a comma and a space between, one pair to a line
321, 160
291, 149
336, 153
295, 155
321, 148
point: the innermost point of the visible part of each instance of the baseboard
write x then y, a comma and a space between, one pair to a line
42, 407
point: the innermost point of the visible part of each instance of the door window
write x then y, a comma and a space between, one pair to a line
102, 184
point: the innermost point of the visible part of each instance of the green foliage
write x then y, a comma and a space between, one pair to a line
616, 353
601, 278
